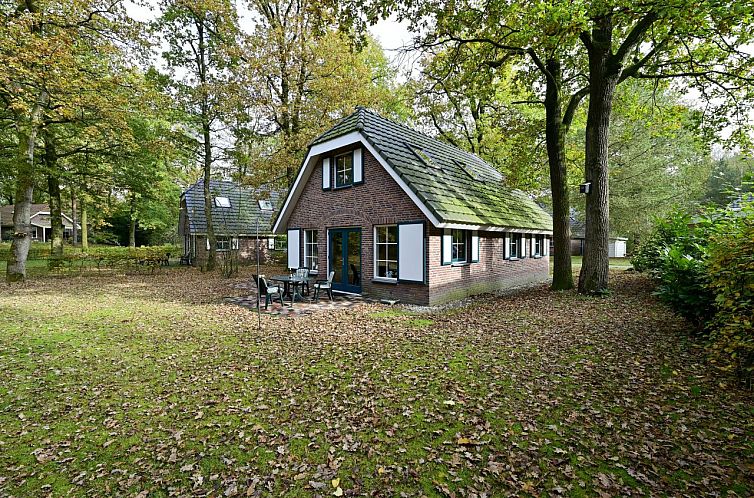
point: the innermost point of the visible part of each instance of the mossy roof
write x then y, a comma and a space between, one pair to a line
456, 186
239, 218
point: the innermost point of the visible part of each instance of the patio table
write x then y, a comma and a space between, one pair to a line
291, 284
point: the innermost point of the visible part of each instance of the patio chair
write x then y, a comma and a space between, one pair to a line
304, 274
325, 285
268, 291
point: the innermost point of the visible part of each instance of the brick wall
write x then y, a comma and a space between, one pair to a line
492, 272
377, 201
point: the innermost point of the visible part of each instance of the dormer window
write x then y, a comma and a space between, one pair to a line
222, 202
344, 170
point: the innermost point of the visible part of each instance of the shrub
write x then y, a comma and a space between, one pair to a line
705, 270
730, 268
674, 254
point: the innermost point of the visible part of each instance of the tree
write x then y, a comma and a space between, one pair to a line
597, 45
659, 157
301, 75
44, 50
202, 37
486, 111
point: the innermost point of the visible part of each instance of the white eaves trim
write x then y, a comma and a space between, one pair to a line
488, 228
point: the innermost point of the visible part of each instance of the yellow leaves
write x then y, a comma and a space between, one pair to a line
336, 484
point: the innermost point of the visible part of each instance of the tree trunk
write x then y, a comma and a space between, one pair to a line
74, 219
555, 131
603, 79
53, 189
207, 138
26, 132
84, 229
212, 253
132, 223
21, 238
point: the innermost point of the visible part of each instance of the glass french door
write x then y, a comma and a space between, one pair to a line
345, 258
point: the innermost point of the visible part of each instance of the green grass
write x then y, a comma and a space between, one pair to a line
113, 386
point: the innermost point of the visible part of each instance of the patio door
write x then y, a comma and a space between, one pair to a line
345, 258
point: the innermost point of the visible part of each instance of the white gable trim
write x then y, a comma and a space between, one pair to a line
336, 143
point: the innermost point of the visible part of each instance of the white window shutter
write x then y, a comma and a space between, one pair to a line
411, 252
447, 245
474, 246
358, 168
294, 249
234, 243
271, 243
326, 175
207, 241
506, 246
546, 248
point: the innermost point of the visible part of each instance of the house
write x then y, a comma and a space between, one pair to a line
617, 245
41, 225
235, 213
398, 215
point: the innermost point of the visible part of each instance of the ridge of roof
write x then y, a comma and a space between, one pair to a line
462, 189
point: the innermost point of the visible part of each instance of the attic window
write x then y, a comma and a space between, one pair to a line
222, 202
424, 156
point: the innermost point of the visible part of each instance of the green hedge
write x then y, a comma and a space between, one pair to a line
97, 257
704, 269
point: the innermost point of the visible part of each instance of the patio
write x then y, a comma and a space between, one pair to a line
307, 306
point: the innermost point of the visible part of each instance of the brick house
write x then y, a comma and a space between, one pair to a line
234, 215
399, 215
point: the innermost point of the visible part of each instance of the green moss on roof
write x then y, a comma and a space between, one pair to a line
460, 188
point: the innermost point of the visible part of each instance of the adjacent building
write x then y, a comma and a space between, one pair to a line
235, 217
41, 225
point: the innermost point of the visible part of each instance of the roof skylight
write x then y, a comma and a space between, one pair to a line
222, 202
424, 156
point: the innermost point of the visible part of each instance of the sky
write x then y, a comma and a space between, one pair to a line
391, 34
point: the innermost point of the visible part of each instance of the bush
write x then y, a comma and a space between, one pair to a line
704, 269
730, 268
674, 254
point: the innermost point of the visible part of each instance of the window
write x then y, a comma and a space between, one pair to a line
281, 243
222, 202
222, 243
386, 251
539, 245
424, 157
459, 246
344, 170
515, 246
310, 250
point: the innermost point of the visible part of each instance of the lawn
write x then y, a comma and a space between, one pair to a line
151, 386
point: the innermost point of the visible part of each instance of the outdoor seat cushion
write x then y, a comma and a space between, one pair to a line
322, 285
273, 290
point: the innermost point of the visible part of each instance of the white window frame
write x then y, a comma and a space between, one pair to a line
377, 259
515, 241
222, 202
338, 169
308, 246
221, 241
539, 244
464, 243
